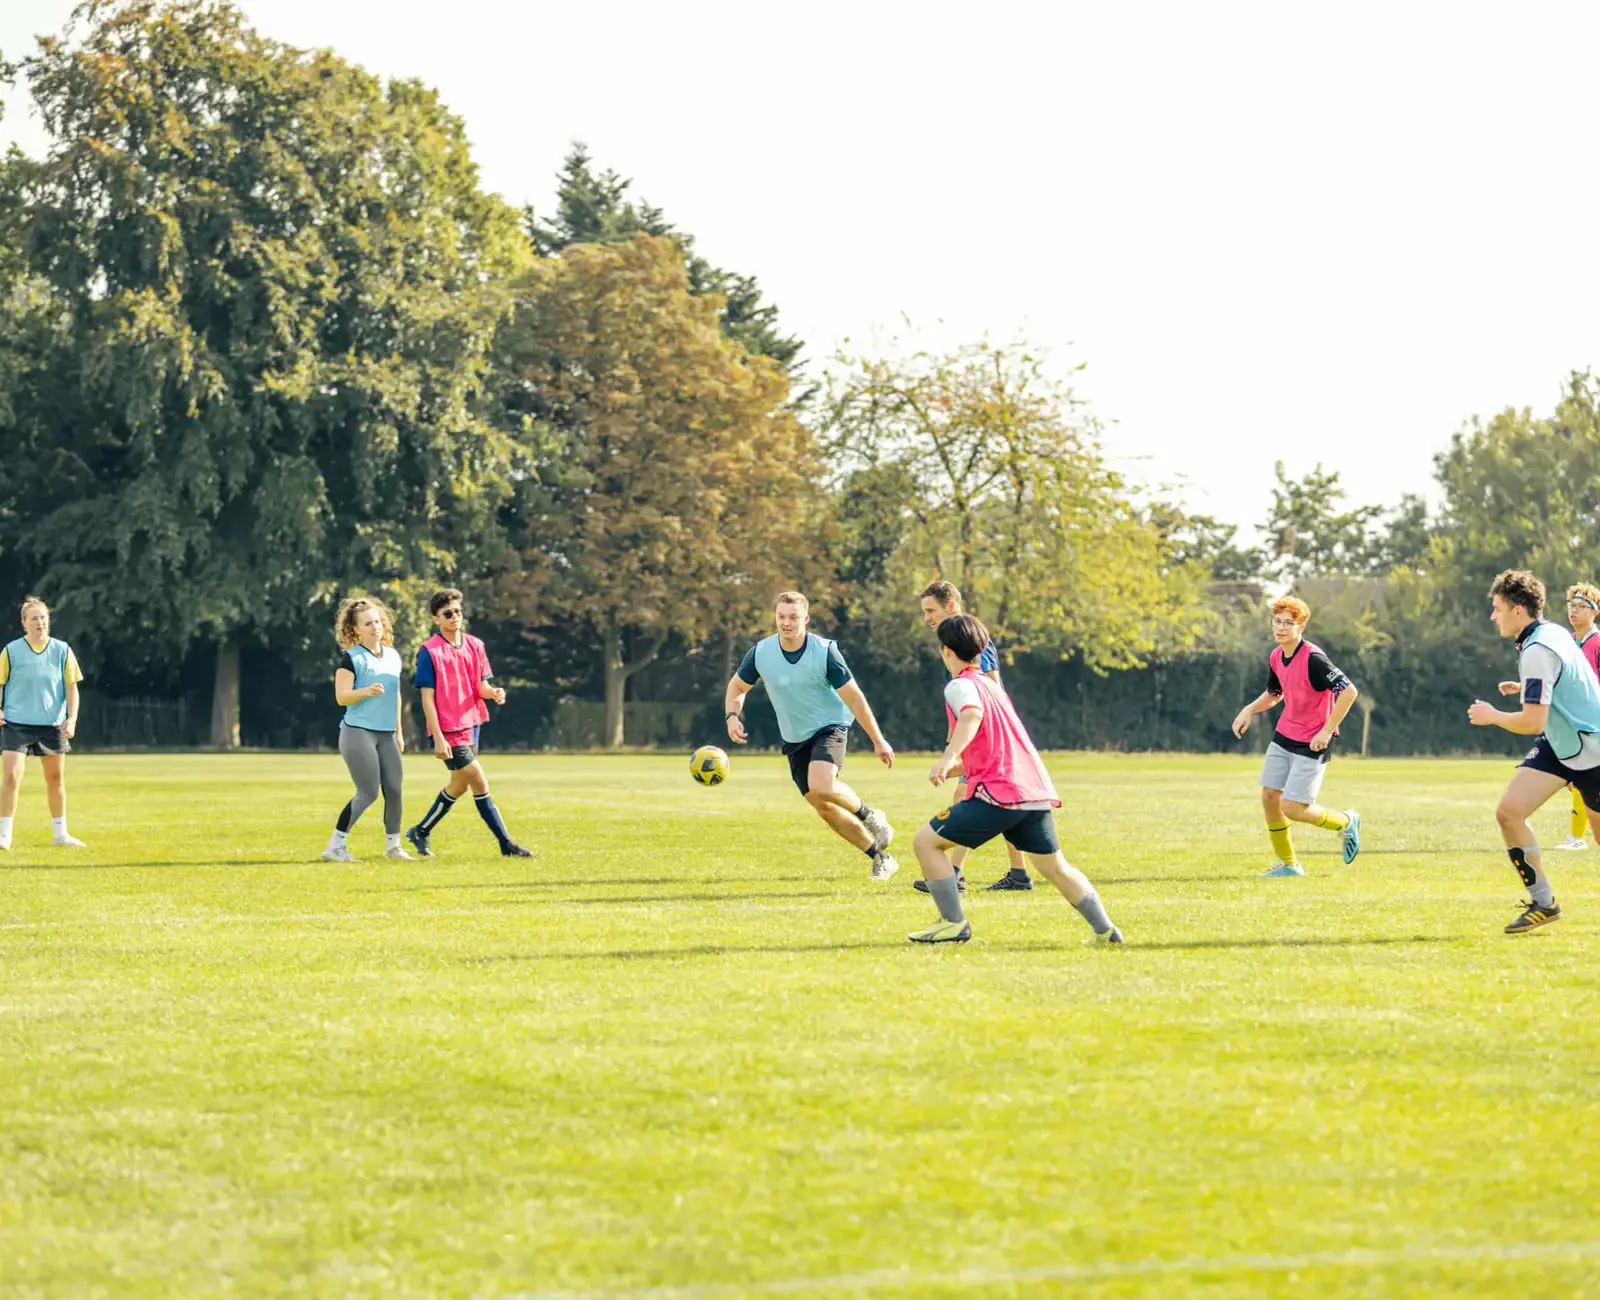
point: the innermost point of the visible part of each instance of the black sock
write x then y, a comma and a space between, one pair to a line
442, 804
1019, 873
863, 812
491, 817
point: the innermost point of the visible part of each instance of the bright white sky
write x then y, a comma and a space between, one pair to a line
1327, 232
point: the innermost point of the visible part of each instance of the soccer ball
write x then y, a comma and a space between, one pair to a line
709, 765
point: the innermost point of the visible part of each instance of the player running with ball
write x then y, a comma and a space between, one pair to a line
1009, 793
816, 698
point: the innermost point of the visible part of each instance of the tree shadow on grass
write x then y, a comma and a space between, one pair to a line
153, 866
590, 882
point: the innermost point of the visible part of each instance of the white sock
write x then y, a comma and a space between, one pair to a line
393, 841
339, 839
5, 827
59, 826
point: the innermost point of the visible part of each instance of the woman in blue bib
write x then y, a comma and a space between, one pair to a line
39, 679
367, 684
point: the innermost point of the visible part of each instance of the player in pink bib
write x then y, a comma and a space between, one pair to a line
455, 680
1315, 696
1009, 793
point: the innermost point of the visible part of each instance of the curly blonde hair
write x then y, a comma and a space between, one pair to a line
350, 609
1587, 591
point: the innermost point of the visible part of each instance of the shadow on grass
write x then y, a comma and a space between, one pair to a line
590, 882
154, 866
744, 950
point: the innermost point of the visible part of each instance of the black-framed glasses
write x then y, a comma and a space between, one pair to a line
449, 613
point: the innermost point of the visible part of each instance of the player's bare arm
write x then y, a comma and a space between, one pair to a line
965, 729
1341, 710
1266, 700
1529, 721
430, 712
733, 707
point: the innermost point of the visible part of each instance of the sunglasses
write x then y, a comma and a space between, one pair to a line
449, 613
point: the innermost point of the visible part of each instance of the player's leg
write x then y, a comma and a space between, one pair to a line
1036, 834
391, 780
1577, 824
1531, 787
957, 853
478, 782
1300, 804
54, 768
932, 847
828, 747
830, 798
461, 757
360, 756
13, 763
1285, 864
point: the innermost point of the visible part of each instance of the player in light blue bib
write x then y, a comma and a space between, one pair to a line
39, 678
367, 684
816, 699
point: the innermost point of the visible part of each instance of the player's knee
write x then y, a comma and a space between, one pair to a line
927, 840
818, 799
1297, 812
1508, 815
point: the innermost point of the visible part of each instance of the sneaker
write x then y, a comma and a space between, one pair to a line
1573, 843
419, 841
944, 932
884, 866
1010, 881
399, 854
5, 843
511, 850
1285, 869
1113, 935
339, 853
1351, 841
68, 842
1533, 917
882, 832
921, 886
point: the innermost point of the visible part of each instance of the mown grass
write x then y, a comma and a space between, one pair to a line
686, 1051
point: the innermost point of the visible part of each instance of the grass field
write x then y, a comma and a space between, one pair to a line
685, 1051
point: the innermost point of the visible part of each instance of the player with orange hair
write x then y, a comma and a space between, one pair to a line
1583, 602
1315, 696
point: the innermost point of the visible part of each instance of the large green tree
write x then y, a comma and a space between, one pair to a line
264, 288
982, 470
675, 494
594, 207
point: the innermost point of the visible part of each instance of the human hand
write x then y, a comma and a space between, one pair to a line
1482, 714
1241, 722
372, 691
1322, 739
940, 772
736, 731
884, 751
1510, 688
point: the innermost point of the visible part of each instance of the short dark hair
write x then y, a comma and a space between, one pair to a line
443, 597
964, 636
1518, 587
942, 591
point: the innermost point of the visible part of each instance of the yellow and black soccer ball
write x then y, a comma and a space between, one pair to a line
709, 765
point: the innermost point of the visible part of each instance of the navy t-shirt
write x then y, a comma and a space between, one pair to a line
838, 671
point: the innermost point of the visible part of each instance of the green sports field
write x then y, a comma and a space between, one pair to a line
685, 1051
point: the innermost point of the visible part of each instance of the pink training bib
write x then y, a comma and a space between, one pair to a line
457, 672
1306, 710
1001, 760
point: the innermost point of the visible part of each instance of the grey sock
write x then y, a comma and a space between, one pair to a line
947, 894
1093, 911
1528, 861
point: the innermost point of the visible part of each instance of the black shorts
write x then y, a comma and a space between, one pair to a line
827, 746
972, 823
461, 756
1542, 758
19, 737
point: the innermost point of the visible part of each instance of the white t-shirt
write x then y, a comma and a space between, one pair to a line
963, 693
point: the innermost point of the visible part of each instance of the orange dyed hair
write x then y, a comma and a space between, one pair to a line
1293, 605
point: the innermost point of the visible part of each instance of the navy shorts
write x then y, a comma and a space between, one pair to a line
972, 823
827, 746
37, 742
1542, 758
463, 748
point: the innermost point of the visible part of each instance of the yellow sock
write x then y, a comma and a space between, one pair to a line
1580, 818
1282, 844
1329, 820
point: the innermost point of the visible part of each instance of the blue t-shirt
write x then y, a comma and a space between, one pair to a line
988, 661
838, 671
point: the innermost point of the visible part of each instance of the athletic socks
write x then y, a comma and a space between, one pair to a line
863, 812
1017, 873
442, 804
1580, 817
1282, 841
339, 839
946, 895
391, 843
1329, 820
5, 827
1093, 911
1525, 858
491, 817
58, 825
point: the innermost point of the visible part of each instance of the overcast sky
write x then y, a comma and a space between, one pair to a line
1271, 231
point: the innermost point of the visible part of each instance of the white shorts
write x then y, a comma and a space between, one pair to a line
1296, 775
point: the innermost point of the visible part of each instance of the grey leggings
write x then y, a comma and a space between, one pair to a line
374, 761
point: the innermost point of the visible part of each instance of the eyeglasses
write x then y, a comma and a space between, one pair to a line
1285, 622
449, 613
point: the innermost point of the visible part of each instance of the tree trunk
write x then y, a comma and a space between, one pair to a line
225, 697
616, 685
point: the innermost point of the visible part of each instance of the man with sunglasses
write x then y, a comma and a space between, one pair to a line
455, 680
1583, 601
1315, 696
